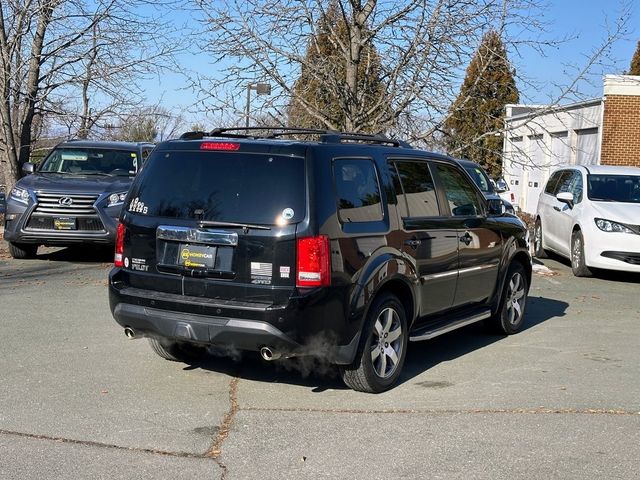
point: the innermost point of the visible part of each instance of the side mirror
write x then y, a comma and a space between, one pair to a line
496, 207
501, 186
28, 168
565, 197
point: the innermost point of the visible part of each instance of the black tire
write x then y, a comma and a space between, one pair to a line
370, 371
177, 352
538, 251
509, 317
23, 250
578, 265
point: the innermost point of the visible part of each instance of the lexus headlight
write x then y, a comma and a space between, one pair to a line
609, 226
19, 194
116, 199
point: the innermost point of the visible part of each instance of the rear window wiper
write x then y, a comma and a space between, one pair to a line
246, 226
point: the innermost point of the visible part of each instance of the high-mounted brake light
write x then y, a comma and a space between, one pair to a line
118, 258
219, 146
313, 262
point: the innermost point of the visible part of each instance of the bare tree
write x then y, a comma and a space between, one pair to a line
423, 45
78, 60
148, 124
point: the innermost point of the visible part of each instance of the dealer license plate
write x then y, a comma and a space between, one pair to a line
64, 223
197, 256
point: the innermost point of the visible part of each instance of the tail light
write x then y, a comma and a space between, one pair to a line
118, 259
513, 197
313, 262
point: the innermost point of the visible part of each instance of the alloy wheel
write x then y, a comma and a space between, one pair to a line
386, 343
576, 252
537, 238
515, 298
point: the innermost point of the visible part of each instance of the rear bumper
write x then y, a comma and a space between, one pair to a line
292, 329
241, 334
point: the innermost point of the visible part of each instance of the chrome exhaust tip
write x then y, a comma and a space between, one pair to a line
267, 354
129, 332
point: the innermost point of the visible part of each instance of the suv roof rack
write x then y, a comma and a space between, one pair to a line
325, 136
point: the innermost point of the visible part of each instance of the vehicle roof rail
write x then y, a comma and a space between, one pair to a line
363, 138
325, 135
271, 132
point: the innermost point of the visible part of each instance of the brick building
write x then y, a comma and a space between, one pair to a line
541, 138
621, 121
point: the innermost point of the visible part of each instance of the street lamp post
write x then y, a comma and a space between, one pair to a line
261, 89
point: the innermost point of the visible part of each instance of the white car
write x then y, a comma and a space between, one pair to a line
591, 215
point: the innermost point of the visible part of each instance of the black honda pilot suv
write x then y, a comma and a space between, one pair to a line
74, 197
349, 246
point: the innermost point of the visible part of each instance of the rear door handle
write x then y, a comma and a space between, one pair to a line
466, 238
413, 243
557, 209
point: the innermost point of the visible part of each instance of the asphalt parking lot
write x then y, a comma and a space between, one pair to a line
78, 400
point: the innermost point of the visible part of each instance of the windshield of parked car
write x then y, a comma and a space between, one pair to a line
614, 188
480, 178
223, 187
91, 161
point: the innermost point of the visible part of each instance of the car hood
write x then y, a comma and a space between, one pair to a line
628, 213
60, 183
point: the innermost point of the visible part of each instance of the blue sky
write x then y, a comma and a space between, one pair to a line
587, 22
584, 21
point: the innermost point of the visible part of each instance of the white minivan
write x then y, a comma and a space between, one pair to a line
591, 215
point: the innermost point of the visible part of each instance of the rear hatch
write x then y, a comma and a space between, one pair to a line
218, 224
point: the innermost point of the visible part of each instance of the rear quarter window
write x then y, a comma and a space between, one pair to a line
357, 190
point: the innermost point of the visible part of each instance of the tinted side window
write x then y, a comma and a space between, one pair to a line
552, 184
415, 189
461, 195
576, 187
358, 190
564, 184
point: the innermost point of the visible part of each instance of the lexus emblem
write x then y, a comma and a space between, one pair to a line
66, 201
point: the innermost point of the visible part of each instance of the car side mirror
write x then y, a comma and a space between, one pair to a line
501, 186
565, 197
28, 168
496, 207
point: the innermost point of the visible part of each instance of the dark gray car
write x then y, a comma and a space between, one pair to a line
482, 180
74, 197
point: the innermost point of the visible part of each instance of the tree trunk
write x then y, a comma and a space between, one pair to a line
33, 84
8, 158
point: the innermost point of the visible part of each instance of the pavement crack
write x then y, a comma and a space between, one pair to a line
225, 427
532, 411
90, 443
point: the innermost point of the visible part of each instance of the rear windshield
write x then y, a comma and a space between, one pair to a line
91, 161
224, 187
614, 188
